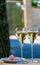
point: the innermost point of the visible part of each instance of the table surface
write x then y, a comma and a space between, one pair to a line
2, 63
21, 64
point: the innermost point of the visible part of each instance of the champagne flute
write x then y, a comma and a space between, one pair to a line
32, 36
21, 36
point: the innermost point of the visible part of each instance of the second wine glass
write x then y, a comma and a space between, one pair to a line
32, 36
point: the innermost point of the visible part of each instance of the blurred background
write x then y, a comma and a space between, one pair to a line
18, 14
15, 14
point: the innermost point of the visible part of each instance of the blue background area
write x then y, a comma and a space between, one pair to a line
15, 49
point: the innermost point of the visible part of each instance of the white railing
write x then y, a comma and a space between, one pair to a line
37, 40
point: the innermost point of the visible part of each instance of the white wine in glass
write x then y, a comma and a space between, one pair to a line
32, 37
21, 36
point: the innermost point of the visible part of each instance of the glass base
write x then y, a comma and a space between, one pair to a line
21, 62
32, 60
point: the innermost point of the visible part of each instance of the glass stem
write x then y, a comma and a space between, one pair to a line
21, 51
32, 51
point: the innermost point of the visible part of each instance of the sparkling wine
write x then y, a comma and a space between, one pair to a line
33, 35
21, 36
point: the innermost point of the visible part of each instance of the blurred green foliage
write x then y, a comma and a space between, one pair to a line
15, 17
34, 3
4, 31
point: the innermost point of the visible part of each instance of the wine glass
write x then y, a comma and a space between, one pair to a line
32, 35
21, 37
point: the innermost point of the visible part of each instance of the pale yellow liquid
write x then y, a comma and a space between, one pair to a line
32, 35
22, 36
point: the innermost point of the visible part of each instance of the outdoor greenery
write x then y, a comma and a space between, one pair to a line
14, 0
10, 18
15, 17
35, 3
4, 34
